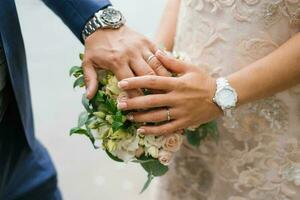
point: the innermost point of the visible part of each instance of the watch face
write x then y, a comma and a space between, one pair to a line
111, 16
226, 98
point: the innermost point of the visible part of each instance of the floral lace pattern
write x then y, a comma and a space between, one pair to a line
258, 155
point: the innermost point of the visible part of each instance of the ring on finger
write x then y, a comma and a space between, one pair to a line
168, 114
150, 58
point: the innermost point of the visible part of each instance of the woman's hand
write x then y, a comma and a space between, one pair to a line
187, 98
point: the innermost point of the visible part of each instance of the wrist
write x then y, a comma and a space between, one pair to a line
235, 81
108, 18
212, 91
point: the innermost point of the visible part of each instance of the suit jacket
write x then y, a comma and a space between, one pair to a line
74, 13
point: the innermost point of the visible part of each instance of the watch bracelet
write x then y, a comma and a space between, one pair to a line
89, 29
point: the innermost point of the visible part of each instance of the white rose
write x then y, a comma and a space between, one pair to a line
153, 151
127, 148
151, 140
124, 155
172, 142
165, 157
131, 144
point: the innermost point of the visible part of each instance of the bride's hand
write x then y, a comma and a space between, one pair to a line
187, 100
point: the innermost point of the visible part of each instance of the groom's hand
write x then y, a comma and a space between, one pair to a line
122, 51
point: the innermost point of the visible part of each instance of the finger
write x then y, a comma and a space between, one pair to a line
156, 65
123, 73
141, 68
145, 102
149, 82
159, 115
167, 128
90, 79
172, 64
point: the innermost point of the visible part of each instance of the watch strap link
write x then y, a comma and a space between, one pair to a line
91, 26
221, 83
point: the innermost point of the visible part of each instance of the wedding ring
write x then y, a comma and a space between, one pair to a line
168, 114
150, 58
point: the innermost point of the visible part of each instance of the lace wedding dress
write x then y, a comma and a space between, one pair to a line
258, 154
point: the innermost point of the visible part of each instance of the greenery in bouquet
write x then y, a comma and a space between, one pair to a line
108, 128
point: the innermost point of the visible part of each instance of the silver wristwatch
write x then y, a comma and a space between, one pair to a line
225, 97
108, 18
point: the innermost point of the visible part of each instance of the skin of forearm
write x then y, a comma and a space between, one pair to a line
167, 27
274, 73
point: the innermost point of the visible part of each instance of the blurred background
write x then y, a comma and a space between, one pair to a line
84, 173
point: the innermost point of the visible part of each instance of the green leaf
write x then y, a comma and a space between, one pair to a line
78, 130
86, 132
79, 82
150, 177
83, 118
113, 157
193, 138
81, 55
142, 161
154, 167
76, 71
212, 130
116, 125
86, 103
91, 137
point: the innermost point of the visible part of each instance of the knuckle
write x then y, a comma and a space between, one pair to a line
181, 84
155, 64
163, 131
144, 40
148, 102
151, 80
116, 59
150, 72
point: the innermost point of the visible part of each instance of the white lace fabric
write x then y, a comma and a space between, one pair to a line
258, 155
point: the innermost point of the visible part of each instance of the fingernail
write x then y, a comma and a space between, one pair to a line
122, 99
122, 105
129, 117
123, 84
141, 131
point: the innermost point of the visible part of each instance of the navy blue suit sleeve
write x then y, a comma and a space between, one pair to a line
75, 13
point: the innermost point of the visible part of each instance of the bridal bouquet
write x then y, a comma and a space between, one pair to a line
108, 128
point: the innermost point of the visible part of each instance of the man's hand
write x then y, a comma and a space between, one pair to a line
122, 51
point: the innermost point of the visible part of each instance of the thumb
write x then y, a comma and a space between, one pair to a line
170, 63
90, 79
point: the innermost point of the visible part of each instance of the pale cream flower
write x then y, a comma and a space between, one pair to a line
172, 142
153, 151
151, 140
165, 157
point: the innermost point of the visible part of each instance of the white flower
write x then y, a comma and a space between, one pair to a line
172, 142
153, 151
124, 155
165, 157
127, 148
151, 140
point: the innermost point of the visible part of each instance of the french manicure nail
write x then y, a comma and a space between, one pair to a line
141, 131
122, 99
122, 105
123, 84
129, 117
